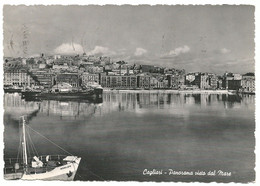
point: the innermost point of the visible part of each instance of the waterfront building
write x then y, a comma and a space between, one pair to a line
213, 81
248, 83
130, 82
143, 81
225, 82
120, 82
202, 81
220, 83
153, 82
176, 81
43, 77
17, 77
232, 81
164, 84
234, 84
70, 78
89, 79
189, 79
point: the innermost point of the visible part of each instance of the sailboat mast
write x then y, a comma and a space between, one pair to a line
24, 144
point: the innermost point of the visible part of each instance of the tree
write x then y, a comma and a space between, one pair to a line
249, 74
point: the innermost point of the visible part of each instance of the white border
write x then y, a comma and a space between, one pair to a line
132, 2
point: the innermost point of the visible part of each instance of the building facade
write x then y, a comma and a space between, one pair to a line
248, 84
213, 81
232, 81
144, 82
17, 77
44, 77
89, 79
70, 78
234, 84
202, 81
175, 81
122, 82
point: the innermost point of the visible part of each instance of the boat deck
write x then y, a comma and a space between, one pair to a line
14, 168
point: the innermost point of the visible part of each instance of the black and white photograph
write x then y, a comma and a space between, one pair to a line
162, 93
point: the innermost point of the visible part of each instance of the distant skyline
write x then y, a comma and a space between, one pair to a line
195, 38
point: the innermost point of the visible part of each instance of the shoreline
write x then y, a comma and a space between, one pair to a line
168, 91
171, 91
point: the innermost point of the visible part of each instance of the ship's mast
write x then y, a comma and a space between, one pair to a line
24, 146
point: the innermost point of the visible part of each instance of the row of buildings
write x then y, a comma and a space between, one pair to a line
87, 70
46, 78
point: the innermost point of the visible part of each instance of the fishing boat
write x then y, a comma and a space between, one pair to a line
40, 167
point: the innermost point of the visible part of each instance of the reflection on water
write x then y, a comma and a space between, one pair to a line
112, 102
129, 132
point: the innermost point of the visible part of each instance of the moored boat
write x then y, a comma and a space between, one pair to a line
60, 92
45, 167
12, 89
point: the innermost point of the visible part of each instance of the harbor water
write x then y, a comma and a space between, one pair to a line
144, 136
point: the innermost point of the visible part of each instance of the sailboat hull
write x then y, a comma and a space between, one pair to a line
63, 173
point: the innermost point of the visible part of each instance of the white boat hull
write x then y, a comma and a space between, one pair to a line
63, 173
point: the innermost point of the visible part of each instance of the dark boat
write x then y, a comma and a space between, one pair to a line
83, 94
64, 92
9, 89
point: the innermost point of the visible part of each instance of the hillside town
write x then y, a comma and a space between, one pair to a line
44, 72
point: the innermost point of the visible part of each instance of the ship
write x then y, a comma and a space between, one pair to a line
64, 91
44, 167
12, 89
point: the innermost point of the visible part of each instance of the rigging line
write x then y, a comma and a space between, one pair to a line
49, 140
32, 145
19, 148
34, 149
28, 145
30, 150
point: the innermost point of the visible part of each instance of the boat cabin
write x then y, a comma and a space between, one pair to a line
62, 87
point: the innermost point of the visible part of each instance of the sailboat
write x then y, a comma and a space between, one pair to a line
44, 167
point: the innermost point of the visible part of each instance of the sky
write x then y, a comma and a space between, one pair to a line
209, 38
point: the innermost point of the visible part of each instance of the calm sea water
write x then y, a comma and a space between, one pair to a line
129, 133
